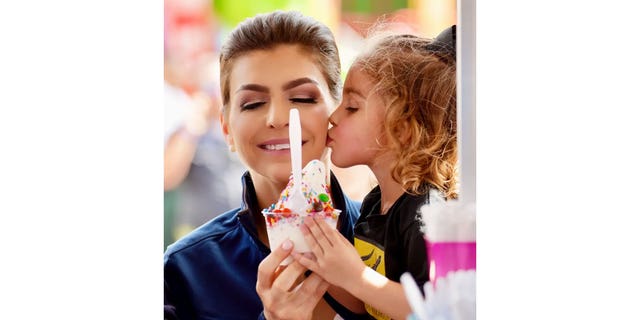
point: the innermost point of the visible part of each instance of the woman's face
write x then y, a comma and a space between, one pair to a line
357, 122
263, 86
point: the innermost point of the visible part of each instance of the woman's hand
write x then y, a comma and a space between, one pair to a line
335, 259
282, 295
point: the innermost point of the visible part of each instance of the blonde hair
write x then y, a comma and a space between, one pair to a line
419, 89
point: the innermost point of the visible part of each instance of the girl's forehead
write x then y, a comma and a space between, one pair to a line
359, 85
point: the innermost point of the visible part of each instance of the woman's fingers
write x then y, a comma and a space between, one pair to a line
306, 261
311, 291
288, 277
298, 303
268, 267
283, 295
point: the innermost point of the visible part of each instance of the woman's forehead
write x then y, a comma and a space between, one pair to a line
275, 67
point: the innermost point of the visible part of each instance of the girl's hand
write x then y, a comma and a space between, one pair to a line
334, 257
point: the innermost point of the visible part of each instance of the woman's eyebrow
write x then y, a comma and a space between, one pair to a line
297, 82
289, 85
253, 87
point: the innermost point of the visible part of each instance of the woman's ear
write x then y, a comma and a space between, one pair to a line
227, 135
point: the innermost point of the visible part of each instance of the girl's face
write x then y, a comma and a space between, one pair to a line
357, 122
264, 85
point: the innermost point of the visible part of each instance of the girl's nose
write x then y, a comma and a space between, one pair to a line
333, 118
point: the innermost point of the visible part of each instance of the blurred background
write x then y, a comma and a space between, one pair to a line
202, 178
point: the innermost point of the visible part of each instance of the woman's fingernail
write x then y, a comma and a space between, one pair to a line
287, 244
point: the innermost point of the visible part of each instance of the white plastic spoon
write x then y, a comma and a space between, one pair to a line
296, 198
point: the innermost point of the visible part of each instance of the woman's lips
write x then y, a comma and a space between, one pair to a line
277, 145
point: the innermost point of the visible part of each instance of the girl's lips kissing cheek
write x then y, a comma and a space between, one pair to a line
329, 141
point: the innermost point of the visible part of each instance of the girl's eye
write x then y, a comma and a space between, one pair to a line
351, 109
303, 100
251, 106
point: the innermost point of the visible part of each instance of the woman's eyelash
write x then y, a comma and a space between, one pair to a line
254, 105
303, 100
251, 106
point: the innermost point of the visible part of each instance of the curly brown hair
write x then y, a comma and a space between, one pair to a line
419, 90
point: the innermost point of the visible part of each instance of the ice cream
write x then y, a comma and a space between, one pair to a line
284, 222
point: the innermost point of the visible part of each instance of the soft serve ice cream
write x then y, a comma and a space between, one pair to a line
284, 223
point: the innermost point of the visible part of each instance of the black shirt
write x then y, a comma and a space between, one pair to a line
392, 243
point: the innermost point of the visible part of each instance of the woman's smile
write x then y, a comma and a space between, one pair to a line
277, 145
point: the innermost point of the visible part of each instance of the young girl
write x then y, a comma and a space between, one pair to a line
398, 116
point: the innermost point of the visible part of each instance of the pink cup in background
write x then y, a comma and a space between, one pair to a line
450, 236
450, 256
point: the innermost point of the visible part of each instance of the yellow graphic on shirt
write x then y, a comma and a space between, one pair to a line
373, 257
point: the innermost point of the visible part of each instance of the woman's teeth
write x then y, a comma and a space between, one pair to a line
277, 146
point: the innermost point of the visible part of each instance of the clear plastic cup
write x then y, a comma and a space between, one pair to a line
281, 226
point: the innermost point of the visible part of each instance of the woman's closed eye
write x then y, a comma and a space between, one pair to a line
307, 100
351, 109
251, 105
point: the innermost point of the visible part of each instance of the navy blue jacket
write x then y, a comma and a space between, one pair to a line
211, 273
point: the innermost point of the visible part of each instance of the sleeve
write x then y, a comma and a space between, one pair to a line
175, 305
169, 307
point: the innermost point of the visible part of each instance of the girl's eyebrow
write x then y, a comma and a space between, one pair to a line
351, 90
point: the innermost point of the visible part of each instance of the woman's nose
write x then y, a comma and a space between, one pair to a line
278, 116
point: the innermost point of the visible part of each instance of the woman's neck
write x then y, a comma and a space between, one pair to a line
267, 193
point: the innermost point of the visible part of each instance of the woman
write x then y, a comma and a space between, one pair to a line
270, 64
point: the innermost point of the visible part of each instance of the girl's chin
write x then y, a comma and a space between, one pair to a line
338, 163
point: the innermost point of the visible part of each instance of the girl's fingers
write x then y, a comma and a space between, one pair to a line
311, 241
326, 229
320, 236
